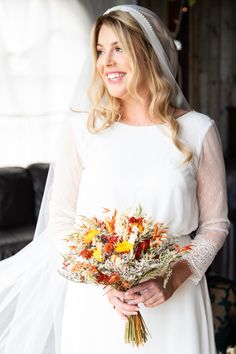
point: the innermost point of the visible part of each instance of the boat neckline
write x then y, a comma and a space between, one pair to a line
152, 125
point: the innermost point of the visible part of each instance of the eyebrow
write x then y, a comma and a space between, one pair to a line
113, 43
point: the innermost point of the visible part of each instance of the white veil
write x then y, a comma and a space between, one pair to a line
31, 290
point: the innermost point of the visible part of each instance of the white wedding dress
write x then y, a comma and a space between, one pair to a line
122, 167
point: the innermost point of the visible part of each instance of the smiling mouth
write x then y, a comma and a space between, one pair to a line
114, 78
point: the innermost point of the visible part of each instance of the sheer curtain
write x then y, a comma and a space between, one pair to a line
42, 46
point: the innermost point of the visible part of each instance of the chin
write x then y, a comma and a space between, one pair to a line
119, 95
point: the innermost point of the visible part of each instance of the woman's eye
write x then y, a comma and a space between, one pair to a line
99, 52
118, 49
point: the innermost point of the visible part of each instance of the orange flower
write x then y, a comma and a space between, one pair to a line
72, 247
76, 267
105, 210
108, 248
185, 249
126, 285
157, 232
138, 222
110, 223
113, 278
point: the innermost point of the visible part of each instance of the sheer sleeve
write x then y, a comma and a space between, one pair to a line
67, 171
212, 201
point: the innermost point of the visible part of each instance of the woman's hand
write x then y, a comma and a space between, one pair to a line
118, 300
152, 292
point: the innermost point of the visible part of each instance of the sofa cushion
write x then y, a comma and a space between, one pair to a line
13, 240
16, 197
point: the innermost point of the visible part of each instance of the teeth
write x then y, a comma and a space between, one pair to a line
115, 75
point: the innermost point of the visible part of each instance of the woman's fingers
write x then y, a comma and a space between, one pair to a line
136, 289
113, 292
150, 293
154, 301
117, 299
123, 307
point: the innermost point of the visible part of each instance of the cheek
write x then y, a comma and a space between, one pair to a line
126, 63
98, 66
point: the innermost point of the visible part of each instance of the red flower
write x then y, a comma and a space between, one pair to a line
102, 278
86, 253
142, 247
111, 239
133, 220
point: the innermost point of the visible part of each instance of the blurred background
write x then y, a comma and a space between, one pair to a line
43, 44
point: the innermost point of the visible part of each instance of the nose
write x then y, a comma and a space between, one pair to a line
108, 59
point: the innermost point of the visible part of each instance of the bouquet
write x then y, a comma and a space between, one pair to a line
121, 251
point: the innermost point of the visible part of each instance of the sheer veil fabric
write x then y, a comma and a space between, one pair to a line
32, 293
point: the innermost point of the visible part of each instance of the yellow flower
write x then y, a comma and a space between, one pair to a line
97, 254
90, 235
123, 247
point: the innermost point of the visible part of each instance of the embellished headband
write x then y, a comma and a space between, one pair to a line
138, 13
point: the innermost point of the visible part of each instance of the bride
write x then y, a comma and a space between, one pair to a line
135, 142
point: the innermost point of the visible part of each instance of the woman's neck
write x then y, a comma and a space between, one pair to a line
137, 113
134, 112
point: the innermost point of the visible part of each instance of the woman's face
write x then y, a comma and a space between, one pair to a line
112, 63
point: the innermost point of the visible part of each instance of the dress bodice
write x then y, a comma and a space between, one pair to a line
126, 166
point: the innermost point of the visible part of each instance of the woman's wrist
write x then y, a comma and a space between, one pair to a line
181, 272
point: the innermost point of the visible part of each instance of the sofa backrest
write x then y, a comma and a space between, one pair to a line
21, 191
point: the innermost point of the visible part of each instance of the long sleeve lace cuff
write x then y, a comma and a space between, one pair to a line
212, 201
203, 253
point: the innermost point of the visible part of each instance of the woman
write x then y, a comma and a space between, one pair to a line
138, 157
139, 144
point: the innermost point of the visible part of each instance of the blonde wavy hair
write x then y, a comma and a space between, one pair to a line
140, 54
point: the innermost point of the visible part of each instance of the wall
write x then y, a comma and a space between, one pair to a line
212, 54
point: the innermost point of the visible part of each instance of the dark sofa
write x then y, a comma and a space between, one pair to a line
21, 191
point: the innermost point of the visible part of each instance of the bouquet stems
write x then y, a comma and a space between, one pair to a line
136, 331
